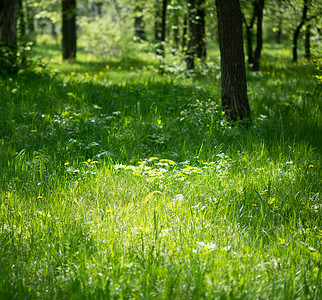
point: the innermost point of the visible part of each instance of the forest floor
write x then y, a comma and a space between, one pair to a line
118, 181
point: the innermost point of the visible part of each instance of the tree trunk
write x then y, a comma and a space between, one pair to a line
184, 32
191, 49
8, 35
69, 29
160, 26
280, 18
299, 27
22, 33
308, 42
233, 73
249, 37
259, 15
201, 29
138, 23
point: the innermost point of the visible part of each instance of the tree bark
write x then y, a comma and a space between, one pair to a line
279, 28
191, 49
22, 33
160, 26
308, 42
299, 27
201, 30
233, 74
69, 29
8, 35
259, 7
249, 37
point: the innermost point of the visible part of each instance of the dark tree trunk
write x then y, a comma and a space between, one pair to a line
184, 32
8, 35
249, 37
201, 30
259, 15
279, 26
191, 49
299, 27
22, 33
53, 30
30, 20
308, 42
233, 74
69, 29
138, 23
160, 26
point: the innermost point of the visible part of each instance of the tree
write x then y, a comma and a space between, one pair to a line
197, 32
8, 34
299, 27
233, 74
160, 25
257, 16
69, 29
138, 23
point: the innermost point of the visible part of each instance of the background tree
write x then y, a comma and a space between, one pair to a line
8, 34
257, 7
233, 74
160, 25
138, 22
299, 27
69, 28
197, 32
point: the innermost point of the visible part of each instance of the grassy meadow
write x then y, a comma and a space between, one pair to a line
119, 181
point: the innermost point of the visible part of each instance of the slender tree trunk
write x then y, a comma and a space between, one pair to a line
308, 42
279, 26
233, 74
184, 32
201, 30
69, 29
160, 26
138, 23
299, 27
259, 34
8, 35
22, 33
191, 49
249, 37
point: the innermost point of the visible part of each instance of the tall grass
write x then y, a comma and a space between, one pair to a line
122, 182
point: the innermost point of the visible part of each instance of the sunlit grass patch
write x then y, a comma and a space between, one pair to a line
118, 181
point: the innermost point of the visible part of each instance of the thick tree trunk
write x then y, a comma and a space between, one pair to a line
299, 27
8, 35
308, 42
69, 29
233, 74
259, 15
138, 23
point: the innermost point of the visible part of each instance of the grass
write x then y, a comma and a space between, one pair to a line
128, 183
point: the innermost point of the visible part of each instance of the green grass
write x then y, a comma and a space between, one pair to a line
129, 183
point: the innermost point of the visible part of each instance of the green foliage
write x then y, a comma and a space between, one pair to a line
119, 181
